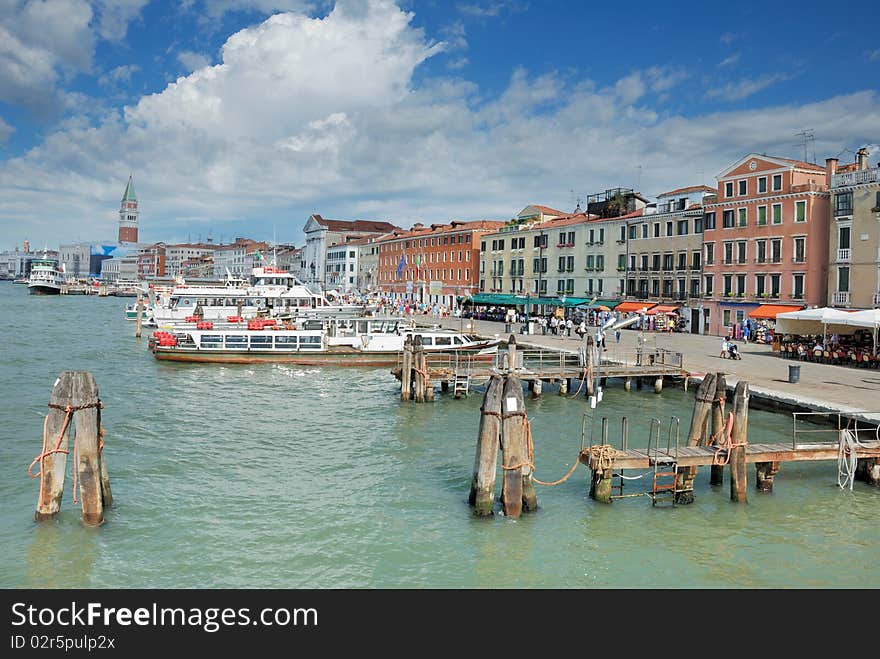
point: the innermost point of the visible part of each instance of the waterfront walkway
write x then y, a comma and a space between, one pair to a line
852, 392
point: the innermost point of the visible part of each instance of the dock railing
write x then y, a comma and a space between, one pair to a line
823, 436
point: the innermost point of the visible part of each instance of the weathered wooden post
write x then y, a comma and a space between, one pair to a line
482, 494
418, 373
427, 385
591, 366
406, 369
74, 403
536, 388
511, 353
517, 490
658, 384
868, 470
764, 473
563, 386
140, 310
739, 439
716, 474
702, 409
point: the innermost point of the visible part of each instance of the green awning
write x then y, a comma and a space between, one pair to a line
502, 299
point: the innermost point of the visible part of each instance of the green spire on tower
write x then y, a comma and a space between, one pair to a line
129, 195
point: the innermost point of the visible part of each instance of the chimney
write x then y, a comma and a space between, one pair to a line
830, 170
862, 158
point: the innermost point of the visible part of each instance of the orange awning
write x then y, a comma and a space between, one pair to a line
770, 310
627, 307
664, 308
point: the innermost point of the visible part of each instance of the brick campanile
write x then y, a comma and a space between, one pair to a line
128, 215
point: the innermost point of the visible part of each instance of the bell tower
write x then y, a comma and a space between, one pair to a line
128, 215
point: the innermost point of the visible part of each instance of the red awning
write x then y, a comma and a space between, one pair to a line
770, 310
630, 306
664, 308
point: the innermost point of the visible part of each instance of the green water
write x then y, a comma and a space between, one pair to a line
285, 477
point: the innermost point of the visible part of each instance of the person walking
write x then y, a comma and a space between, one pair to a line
724, 347
617, 335
568, 326
543, 323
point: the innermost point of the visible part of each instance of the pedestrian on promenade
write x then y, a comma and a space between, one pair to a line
543, 323
724, 347
617, 335
568, 326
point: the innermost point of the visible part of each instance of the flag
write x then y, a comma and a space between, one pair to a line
418, 262
401, 265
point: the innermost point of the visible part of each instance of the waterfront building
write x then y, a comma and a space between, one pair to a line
288, 258
128, 214
367, 269
341, 266
13, 263
437, 264
854, 239
322, 233
176, 254
765, 240
238, 258
664, 250
122, 269
151, 261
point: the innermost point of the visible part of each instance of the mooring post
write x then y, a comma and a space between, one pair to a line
536, 389
563, 386
511, 353
591, 366
418, 373
74, 403
406, 369
427, 385
658, 384
517, 490
739, 438
699, 417
140, 310
627, 384
482, 494
868, 470
764, 473
716, 474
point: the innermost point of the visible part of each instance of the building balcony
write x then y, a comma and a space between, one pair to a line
855, 178
841, 297
844, 255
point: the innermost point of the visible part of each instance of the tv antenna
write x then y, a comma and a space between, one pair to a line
639, 178
808, 139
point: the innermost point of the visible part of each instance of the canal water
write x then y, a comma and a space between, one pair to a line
275, 476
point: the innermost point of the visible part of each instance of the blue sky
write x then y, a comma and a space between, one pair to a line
243, 117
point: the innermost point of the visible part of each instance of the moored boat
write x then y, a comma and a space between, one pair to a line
46, 278
329, 341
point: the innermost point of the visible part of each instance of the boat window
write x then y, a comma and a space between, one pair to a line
211, 341
185, 302
236, 341
310, 343
285, 342
442, 341
457, 340
263, 342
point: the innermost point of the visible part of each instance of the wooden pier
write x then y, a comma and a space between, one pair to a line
587, 366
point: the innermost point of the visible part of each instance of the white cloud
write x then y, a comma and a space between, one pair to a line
745, 87
119, 74
115, 15
873, 55
193, 61
322, 115
730, 60
5, 131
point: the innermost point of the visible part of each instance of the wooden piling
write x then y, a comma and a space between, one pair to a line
536, 389
517, 490
627, 384
74, 403
716, 474
406, 369
764, 473
511, 353
482, 494
658, 384
868, 470
563, 386
140, 310
702, 408
591, 366
739, 437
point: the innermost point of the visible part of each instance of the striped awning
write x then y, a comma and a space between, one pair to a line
664, 308
769, 311
631, 305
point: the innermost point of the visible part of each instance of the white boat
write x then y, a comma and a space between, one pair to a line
46, 278
274, 293
337, 341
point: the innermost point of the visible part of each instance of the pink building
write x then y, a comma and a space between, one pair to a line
765, 241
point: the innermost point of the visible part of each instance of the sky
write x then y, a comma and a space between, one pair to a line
244, 117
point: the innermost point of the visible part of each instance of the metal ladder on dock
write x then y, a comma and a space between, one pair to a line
461, 384
664, 463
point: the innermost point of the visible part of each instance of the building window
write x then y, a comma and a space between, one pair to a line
843, 203
728, 189
727, 219
741, 217
762, 184
777, 213
682, 227
644, 262
644, 231
667, 262
760, 251
632, 232
777, 182
569, 263
800, 249
774, 285
710, 253
708, 221
743, 188
800, 211
695, 261
682, 261
669, 228
759, 285
728, 285
797, 286
622, 238
656, 229
843, 237
698, 225
600, 263
843, 279
776, 250
655, 262
741, 251
725, 315
740, 285
762, 216
728, 253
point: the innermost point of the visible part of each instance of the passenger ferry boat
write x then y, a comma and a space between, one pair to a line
317, 341
46, 278
274, 293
